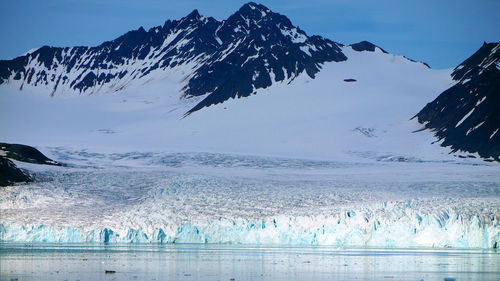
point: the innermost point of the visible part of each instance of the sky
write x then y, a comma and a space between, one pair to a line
441, 33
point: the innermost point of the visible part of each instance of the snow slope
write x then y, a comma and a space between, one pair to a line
466, 116
321, 118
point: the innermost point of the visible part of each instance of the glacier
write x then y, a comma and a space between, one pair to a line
239, 199
316, 162
411, 230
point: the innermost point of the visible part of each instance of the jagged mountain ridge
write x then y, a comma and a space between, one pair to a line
231, 58
466, 116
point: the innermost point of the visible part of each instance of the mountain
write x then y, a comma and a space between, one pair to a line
219, 59
283, 93
466, 116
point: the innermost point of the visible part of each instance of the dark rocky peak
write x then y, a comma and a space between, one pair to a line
193, 16
370, 47
252, 17
256, 24
365, 46
466, 116
132, 38
258, 47
487, 57
253, 11
251, 50
8, 67
138, 44
45, 55
192, 19
194, 22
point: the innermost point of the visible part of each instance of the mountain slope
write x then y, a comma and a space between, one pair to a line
466, 116
305, 96
250, 50
320, 118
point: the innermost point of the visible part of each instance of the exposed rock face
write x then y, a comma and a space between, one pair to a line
25, 153
466, 117
10, 174
220, 59
366, 46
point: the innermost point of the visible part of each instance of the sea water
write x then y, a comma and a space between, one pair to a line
233, 262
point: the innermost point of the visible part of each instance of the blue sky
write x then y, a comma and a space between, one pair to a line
442, 33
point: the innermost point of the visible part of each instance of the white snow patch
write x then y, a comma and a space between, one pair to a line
493, 134
218, 40
474, 128
294, 35
305, 49
255, 75
480, 101
170, 37
465, 117
250, 58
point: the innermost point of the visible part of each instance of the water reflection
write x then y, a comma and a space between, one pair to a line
227, 262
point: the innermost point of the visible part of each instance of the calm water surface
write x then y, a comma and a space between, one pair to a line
233, 262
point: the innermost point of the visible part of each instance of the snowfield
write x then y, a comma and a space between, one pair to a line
317, 161
321, 118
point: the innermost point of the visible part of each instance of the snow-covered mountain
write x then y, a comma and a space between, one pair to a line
245, 130
310, 97
250, 50
467, 115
